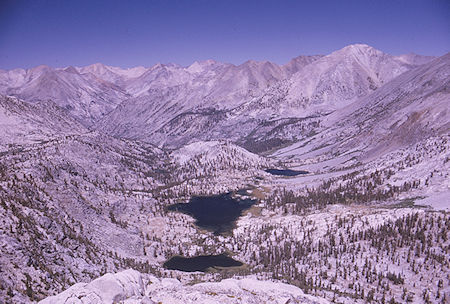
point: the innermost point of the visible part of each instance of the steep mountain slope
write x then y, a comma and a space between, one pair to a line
415, 59
330, 83
85, 96
343, 76
409, 109
318, 85
91, 92
299, 62
166, 92
111, 74
22, 122
169, 104
76, 204
63, 203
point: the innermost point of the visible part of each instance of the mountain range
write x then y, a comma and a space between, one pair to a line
92, 157
170, 105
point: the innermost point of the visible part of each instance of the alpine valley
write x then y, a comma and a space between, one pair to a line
324, 180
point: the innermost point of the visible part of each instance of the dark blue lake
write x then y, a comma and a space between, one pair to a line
217, 213
286, 172
200, 263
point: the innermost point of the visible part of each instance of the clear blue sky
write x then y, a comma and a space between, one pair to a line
130, 33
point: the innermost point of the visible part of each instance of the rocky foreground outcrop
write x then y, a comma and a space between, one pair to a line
132, 287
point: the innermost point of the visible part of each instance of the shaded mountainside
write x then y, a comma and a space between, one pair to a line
85, 96
91, 92
167, 96
320, 85
170, 105
34, 122
407, 110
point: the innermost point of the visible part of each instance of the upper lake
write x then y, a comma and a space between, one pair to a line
286, 172
217, 213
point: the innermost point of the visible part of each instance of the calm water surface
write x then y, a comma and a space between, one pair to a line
200, 263
217, 213
286, 172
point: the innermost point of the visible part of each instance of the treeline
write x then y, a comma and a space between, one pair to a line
370, 263
348, 189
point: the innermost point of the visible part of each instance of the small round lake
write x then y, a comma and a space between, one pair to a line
217, 213
286, 172
200, 263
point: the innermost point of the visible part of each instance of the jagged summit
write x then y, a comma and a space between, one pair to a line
306, 84
357, 52
71, 69
358, 47
201, 66
41, 68
352, 48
